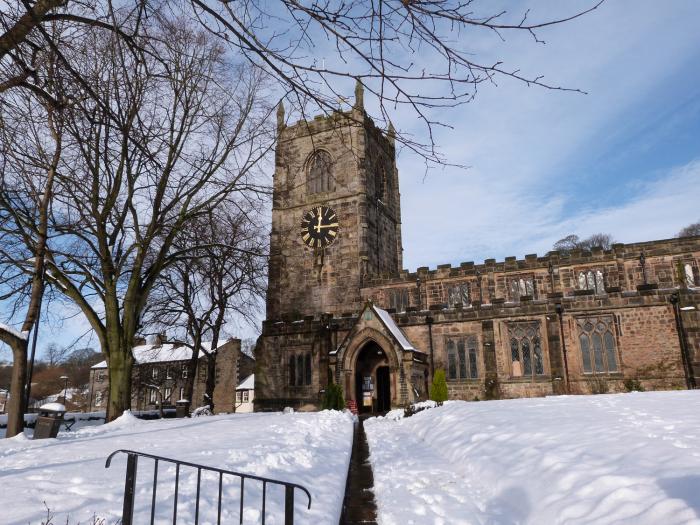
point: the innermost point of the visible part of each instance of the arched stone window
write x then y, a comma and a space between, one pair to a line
300, 369
592, 280
526, 352
597, 341
399, 299
320, 173
458, 294
522, 286
462, 358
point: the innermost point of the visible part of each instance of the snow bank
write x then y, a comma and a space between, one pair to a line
608, 459
311, 449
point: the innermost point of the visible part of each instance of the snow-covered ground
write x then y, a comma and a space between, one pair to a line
606, 459
311, 449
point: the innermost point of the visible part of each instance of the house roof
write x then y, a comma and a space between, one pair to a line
248, 383
162, 353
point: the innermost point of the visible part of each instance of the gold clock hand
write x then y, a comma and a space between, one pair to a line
334, 225
318, 224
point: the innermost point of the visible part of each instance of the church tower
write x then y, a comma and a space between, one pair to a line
336, 219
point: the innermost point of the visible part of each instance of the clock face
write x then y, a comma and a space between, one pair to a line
319, 227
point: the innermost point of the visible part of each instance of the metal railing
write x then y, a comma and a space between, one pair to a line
130, 488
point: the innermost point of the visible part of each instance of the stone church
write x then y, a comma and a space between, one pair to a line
340, 308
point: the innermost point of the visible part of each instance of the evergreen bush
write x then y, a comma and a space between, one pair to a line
438, 390
333, 398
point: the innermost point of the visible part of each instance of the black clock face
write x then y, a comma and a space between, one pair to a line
319, 227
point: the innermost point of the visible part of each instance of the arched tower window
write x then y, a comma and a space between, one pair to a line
320, 173
592, 280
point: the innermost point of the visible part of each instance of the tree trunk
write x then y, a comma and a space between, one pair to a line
120, 367
15, 415
211, 378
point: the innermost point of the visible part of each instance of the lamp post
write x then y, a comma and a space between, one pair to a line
65, 388
685, 357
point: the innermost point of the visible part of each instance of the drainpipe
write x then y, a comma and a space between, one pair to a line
680, 329
429, 322
560, 312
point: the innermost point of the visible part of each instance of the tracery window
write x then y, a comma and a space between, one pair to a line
592, 280
299, 369
320, 173
522, 286
458, 294
597, 341
399, 299
462, 358
527, 356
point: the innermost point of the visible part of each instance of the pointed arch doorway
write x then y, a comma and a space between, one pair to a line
372, 379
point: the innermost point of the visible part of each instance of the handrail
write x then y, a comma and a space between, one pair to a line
130, 487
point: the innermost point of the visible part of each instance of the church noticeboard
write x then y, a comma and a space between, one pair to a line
367, 399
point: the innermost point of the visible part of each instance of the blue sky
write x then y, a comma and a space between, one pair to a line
623, 159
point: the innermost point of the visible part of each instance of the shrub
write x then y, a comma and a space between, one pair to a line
598, 385
333, 398
633, 385
438, 390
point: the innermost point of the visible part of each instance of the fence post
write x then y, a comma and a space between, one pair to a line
129, 489
288, 505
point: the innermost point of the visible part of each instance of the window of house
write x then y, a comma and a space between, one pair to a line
462, 358
185, 372
597, 341
458, 294
98, 398
152, 395
154, 372
168, 372
399, 299
527, 357
238, 396
203, 373
245, 396
167, 394
100, 376
182, 392
689, 277
591, 280
320, 173
522, 286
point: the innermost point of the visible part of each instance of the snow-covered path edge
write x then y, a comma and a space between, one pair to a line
311, 449
609, 459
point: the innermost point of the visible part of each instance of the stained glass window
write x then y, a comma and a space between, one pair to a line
597, 342
522, 286
462, 358
527, 357
592, 280
458, 294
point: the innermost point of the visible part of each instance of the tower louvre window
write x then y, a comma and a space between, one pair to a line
320, 173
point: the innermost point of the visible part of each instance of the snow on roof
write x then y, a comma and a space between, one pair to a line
163, 353
393, 328
18, 335
248, 383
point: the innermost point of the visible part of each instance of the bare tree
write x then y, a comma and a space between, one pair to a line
30, 151
415, 54
690, 230
174, 132
573, 242
222, 278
